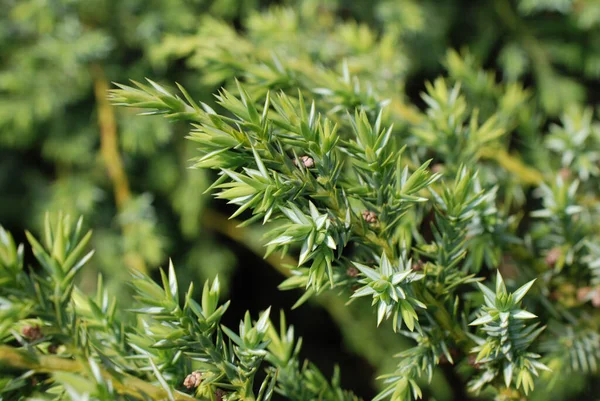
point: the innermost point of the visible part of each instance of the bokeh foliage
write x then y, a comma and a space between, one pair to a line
517, 103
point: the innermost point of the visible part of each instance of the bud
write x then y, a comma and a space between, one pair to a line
472, 360
418, 266
564, 173
193, 380
352, 271
437, 168
306, 161
369, 216
219, 394
32, 333
585, 294
552, 256
596, 298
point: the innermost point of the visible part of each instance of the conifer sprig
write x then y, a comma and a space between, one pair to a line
162, 348
327, 187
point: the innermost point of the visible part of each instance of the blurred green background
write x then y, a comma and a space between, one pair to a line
64, 147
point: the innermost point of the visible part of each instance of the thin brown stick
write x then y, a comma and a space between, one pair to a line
216, 221
109, 149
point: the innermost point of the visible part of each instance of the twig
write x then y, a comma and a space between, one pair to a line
230, 228
109, 149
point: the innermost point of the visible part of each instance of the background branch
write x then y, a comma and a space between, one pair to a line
109, 149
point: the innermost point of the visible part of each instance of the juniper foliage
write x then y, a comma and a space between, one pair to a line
336, 189
95, 349
408, 210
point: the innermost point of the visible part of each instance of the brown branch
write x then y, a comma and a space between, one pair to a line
216, 221
109, 149
124, 384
